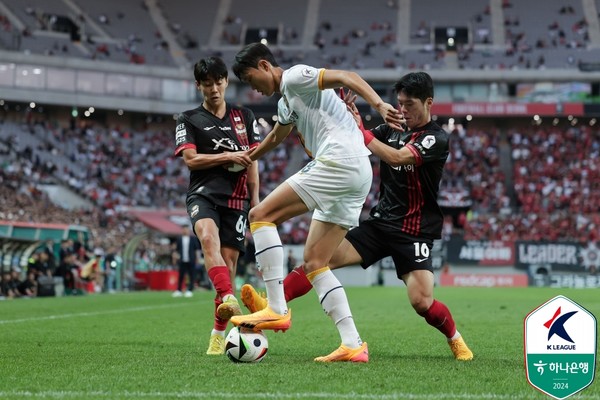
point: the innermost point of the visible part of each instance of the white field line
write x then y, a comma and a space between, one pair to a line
274, 395
88, 314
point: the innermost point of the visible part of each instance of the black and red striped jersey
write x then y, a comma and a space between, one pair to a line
408, 193
201, 130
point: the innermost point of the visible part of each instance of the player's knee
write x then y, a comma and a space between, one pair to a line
420, 303
209, 242
311, 266
255, 214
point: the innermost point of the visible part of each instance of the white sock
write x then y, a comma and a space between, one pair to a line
276, 301
456, 336
227, 297
332, 297
216, 332
269, 256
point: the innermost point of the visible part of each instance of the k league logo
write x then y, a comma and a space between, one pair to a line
557, 327
560, 347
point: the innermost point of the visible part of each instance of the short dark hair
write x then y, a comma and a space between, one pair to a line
415, 84
249, 57
210, 67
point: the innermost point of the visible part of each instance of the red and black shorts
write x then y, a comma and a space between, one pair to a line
231, 222
374, 241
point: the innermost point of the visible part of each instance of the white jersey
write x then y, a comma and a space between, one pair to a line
327, 128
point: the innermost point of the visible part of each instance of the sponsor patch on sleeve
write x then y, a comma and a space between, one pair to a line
180, 134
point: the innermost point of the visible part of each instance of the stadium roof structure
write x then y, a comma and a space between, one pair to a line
167, 222
33, 231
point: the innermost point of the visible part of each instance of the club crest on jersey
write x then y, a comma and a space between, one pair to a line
240, 129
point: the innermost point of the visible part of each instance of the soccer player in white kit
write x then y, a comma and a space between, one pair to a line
334, 185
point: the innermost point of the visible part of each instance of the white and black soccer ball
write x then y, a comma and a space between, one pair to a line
245, 345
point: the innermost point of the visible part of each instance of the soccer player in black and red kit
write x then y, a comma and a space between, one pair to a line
214, 140
407, 218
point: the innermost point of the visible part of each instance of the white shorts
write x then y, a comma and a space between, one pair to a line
336, 190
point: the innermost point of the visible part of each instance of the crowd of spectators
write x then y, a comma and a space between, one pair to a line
565, 33
336, 43
473, 167
552, 191
112, 169
556, 175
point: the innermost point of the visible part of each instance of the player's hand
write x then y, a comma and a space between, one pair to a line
350, 98
391, 116
238, 160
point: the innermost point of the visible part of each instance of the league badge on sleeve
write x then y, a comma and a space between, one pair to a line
428, 141
307, 72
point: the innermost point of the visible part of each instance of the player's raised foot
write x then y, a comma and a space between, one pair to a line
265, 319
253, 300
460, 349
216, 345
343, 353
228, 309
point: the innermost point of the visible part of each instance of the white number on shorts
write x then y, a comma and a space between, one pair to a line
421, 249
240, 224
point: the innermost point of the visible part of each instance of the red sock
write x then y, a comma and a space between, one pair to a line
221, 280
220, 324
440, 318
296, 284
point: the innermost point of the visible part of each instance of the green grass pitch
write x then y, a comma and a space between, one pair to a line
147, 345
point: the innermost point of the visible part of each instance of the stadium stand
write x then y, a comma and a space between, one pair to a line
503, 181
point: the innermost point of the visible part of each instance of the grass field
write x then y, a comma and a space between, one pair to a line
147, 345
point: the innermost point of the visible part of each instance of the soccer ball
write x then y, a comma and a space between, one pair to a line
245, 345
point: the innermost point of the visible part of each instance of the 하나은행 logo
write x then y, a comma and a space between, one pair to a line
560, 347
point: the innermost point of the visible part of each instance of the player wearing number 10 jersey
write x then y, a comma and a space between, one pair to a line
214, 140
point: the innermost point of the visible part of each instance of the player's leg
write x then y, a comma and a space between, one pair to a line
180, 277
322, 237
230, 305
189, 272
361, 245
206, 220
232, 234
231, 255
341, 189
280, 205
419, 284
218, 273
296, 284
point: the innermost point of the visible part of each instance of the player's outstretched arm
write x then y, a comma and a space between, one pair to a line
333, 79
389, 155
272, 140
